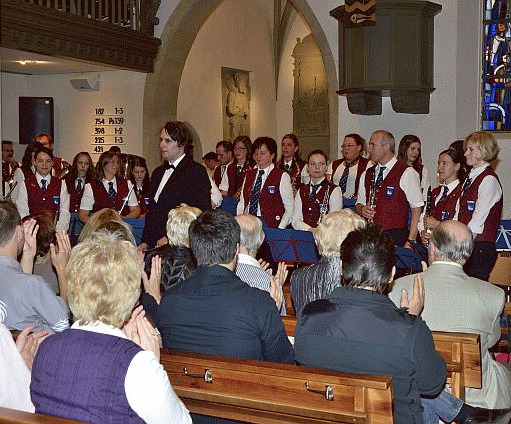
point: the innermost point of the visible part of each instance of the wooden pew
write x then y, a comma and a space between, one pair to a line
460, 351
11, 416
266, 392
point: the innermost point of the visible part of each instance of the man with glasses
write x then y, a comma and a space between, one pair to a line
390, 188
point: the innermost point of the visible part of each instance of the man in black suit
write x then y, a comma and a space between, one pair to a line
179, 180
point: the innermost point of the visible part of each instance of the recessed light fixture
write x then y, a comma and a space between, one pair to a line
29, 62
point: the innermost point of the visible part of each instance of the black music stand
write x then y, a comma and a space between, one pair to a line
291, 246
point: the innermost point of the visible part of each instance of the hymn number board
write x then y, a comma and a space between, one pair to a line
108, 129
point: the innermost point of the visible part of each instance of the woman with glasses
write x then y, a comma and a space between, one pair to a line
346, 172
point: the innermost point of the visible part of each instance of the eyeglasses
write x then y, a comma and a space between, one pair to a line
347, 146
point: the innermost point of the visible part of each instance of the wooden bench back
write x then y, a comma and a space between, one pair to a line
460, 351
266, 392
10, 416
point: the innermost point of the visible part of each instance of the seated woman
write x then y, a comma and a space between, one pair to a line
346, 172
409, 152
242, 163
292, 163
480, 203
267, 191
317, 281
314, 200
177, 262
140, 179
444, 198
95, 372
107, 190
80, 173
43, 192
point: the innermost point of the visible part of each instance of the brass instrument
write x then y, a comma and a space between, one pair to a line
372, 196
324, 205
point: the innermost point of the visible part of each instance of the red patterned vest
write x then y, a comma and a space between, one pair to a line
445, 208
235, 184
361, 167
217, 174
75, 197
270, 200
391, 202
311, 210
468, 202
295, 173
102, 199
141, 198
37, 201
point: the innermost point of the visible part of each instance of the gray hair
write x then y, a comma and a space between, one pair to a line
251, 230
452, 248
387, 138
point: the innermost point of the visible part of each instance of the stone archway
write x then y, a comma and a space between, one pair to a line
177, 38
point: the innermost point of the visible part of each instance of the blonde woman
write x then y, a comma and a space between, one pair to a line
97, 220
317, 281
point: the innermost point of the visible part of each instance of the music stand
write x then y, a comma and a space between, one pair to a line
408, 260
503, 242
291, 246
138, 225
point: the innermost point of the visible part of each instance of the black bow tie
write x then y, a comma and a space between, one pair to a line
169, 166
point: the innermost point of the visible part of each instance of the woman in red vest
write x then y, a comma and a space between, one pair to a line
267, 191
409, 152
480, 204
43, 192
292, 163
140, 179
444, 198
107, 190
314, 200
80, 173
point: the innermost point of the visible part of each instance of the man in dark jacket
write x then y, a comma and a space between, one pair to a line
213, 311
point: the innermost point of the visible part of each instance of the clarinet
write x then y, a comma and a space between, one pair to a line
427, 212
324, 206
372, 195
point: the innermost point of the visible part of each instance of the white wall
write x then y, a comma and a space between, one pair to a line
74, 109
223, 41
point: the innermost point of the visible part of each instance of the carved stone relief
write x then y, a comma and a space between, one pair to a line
235, 103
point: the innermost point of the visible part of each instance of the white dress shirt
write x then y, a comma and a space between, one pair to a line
334, 204
64, 214
224, 182
146, 385
286, 192
488, 194
352, 176
409, 183
166, 176
87, 202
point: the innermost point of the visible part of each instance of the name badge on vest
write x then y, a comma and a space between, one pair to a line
146, 201
271, 190
389, 191
444, 216
471, 205
56, 200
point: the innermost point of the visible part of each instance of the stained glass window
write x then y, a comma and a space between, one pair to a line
497, 66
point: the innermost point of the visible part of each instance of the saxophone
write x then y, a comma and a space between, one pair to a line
324, 205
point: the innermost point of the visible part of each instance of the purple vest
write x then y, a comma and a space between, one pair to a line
80, 375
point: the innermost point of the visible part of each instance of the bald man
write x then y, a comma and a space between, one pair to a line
456, 302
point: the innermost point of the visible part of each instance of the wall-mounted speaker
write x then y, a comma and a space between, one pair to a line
86, 82
35, 116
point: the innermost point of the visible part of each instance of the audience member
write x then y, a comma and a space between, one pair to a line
107, 190
171, 183
80, 173
314, 200
249, 270
43, 192
292, 163
27, 298
480, 203
96, 220
120, 229
409, 152
346, 172
317, 281
70, 368
393, 188
456, 302
213, 311
267, 191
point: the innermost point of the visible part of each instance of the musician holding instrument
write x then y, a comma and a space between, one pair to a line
139, 176
396, 188
9, 165
292, 163
314, 200
444, 197
107, 190
80, 173
42, 191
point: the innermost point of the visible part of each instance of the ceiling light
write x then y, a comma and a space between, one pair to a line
29, 62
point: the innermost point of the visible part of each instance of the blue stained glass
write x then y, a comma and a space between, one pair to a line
496, 88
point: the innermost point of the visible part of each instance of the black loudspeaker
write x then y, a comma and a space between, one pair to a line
35, 116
